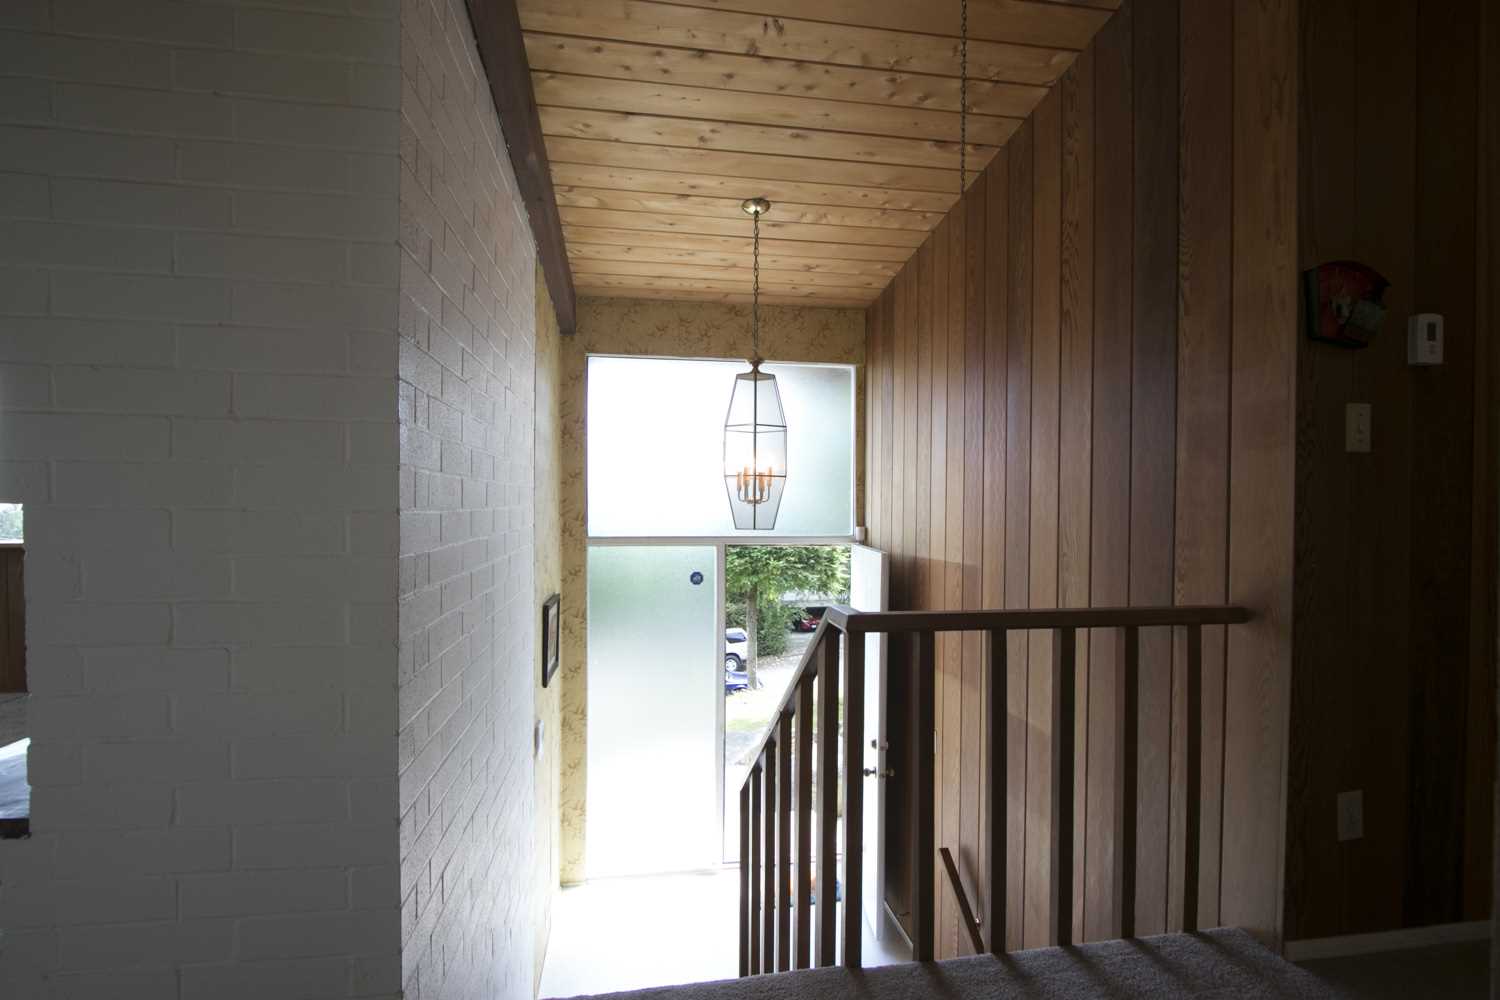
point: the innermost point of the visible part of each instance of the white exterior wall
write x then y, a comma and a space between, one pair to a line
467, 619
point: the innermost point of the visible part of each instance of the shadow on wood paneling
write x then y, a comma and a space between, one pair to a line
1394, 633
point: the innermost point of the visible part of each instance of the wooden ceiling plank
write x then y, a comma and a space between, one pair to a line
582, 175
707, 104
729, 208
695, 134
769, 280
703, 226
757, 164
616, 236
1021, 21
763, 75
689, 284
654, 23
580, 252
728, 298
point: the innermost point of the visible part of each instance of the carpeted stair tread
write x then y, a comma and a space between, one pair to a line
1220, 964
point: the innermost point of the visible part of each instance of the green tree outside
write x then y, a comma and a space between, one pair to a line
757, 577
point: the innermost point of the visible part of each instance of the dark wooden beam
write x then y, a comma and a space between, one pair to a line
497, 28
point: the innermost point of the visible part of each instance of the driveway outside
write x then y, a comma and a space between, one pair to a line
747, 713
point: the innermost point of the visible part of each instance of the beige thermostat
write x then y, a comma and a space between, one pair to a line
1424, 339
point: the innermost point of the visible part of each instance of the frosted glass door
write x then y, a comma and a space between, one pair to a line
655, 677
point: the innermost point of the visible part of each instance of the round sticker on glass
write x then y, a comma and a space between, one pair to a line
696, 578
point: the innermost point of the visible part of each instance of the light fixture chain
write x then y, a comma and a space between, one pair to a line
963, 93
755, 293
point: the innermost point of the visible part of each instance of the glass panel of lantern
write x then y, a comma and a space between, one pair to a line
755, 455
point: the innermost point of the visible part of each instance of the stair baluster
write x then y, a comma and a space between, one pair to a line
808, 765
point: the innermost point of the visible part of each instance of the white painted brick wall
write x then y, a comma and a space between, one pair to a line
469, 892
198, 405
200, 284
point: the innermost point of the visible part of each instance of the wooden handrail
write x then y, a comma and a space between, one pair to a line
781, 878
849, 621
858, 622
965, 910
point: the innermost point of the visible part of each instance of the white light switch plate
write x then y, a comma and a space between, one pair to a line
1351, 815
1357, 435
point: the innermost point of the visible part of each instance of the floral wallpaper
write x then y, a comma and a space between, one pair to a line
548, 549
661, 329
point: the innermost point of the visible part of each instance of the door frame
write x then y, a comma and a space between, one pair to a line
877, 747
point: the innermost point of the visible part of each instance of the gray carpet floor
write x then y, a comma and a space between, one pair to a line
1220, 964
1440, 972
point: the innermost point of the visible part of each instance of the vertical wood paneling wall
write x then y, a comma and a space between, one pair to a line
1081, 393
1395, 555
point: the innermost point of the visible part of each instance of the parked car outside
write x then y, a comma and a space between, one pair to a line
808, 619
736, 643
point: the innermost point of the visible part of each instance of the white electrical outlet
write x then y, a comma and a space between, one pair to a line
1357, 434
1351, 815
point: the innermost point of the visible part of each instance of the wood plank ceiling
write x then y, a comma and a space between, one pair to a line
661, 117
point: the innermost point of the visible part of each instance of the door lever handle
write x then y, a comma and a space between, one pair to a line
889, 772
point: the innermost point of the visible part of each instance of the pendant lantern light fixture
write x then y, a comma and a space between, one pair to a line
755, 430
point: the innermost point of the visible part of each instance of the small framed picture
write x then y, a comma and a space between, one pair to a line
551, 637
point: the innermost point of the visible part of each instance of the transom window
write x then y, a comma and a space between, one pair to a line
656, 448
